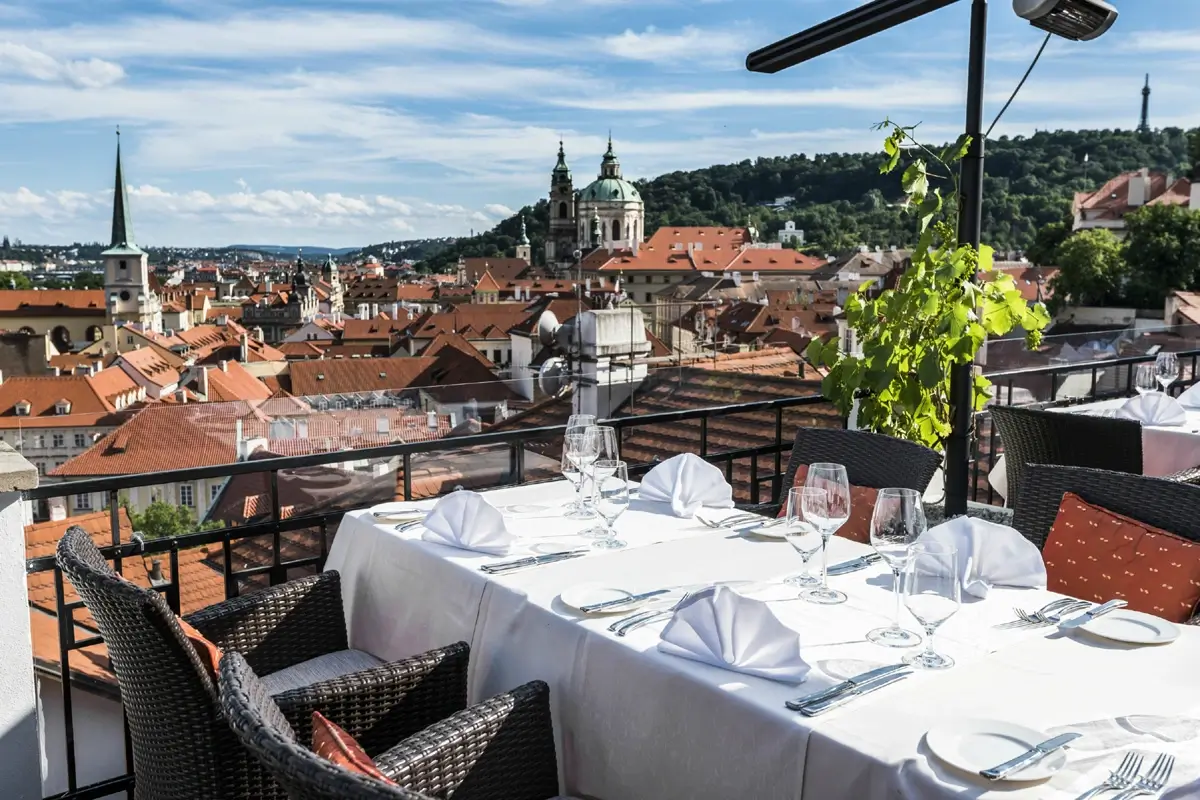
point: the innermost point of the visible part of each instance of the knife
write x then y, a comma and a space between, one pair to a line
1084, 619
854, 564
816, 709
621, 601
835, 690
505, 566
1029, 757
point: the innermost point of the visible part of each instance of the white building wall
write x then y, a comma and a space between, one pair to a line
99, 737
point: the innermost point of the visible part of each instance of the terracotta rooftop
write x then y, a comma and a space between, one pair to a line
1111, 202
472, 320
87, 401
350, 376
371, 331
230, 381
502, 269
52, 303
486, 283
456, 341
151, 365
308, 349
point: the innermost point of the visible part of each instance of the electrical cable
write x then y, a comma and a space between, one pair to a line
1029, 71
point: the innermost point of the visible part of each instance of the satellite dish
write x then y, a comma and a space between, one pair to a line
552, 376
548, 325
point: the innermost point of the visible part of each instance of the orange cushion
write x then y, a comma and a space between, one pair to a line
333, 744
862, 506
209, 653
1096, 554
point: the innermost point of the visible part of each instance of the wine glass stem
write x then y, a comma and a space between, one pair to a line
896, 592
930, 630
824, 560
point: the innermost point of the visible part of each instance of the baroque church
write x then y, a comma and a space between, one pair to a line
609, 212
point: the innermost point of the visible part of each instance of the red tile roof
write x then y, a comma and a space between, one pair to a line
88, 402
486, 283
151, 365
52, 302
233, 382
456, 341
502, 269
350, 376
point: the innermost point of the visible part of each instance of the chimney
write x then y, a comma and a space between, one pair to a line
431, 419
202, 382
1139, 188
395, 311
1, 377
156, 574
267, 283
224, 365
755, 274
364, 311
245, 355
97, 365
374, 310
57, 371
737, 278
181, 396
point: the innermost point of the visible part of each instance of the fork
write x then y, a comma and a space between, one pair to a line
1122, 778
1023, 618
731, 522
622, 627
1041, 619
1154, 781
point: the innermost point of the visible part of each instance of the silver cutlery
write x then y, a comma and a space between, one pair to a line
854, 564
1044, 620
1154, 781
622, 627
401, 516
531, 561
1030, 757
1022, 619
406, 526
736, 521
849, 683
1122, 778
854, 692
1084, 619
622, 601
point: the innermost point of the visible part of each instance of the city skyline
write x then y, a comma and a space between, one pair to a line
363, 121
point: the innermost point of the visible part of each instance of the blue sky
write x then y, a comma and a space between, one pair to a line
342, 122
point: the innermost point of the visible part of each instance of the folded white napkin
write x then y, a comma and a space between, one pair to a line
990, 555
1154, 408
688, 483
467, 521
718, 626
1191, 397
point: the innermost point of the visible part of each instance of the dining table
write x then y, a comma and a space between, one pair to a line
633, 722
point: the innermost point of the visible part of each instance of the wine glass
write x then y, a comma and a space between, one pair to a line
579, 451
1166, 369
578, 423
1145, 378
610, 493
896, 524
828, 509
802, 535
606, 450
933, 594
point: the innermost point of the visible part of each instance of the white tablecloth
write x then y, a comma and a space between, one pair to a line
634, 723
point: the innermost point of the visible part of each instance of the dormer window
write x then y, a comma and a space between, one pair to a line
23, 408
62, 407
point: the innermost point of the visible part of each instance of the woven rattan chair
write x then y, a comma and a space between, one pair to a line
871, 459
182, 747
501, 749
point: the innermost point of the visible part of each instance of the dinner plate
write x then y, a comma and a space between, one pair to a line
773, 532
972, 745
586, 594
524, 509
1133, 627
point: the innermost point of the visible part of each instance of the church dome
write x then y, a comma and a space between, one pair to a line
611, 189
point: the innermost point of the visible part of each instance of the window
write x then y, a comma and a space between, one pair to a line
62, 407
125, 296
83, 502
58, 440
562, 210
213, 491
128, 340
187, 495
496, 360
39, 441
41, 467
23, 408
616, 230
81, 440
124, 265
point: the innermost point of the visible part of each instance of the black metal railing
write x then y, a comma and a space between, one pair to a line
768, 414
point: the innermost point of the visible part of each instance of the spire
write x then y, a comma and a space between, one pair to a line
1144, 127
524, 233
561, 166
610, 167
122, 221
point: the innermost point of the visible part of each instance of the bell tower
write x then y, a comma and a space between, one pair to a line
127, 292
524, 250
561, 242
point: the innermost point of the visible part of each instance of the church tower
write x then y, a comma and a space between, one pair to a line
127, 267
1144, 126
616, 202
332, 276
524, 250
562, 241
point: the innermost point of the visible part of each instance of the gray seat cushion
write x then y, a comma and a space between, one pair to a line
321, 668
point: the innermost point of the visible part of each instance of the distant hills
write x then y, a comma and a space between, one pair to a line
292, 250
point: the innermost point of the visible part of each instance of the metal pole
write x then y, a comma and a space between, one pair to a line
970, 231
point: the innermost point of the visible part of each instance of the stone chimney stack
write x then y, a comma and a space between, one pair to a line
1139, 188
613, 363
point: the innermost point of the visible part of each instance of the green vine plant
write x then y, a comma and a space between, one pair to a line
938, 315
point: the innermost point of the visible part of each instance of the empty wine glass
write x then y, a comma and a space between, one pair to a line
610, 498
579, 451
606, 450
802, 535
1145, 378
577, 423
827, 509
932, 592
896, 524
1166, 369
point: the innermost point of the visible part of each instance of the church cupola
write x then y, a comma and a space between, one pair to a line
561, 173
610, 166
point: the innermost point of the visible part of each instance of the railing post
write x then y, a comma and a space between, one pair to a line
20, 752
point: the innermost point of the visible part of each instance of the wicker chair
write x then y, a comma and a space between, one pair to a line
501, 749
871, 459
183, 749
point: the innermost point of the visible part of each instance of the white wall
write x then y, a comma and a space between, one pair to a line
99, 737
522, 356
1097, 315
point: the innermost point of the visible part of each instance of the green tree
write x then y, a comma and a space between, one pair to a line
1092, 269
1162, 250
1044, 250
87, 280
15, 280
160, 520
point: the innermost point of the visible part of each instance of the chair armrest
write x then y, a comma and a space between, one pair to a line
503, 747
384, 705
279, 626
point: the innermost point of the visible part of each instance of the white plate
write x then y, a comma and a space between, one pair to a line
525, 510
586, 594
773, 532
972, 745
1133, 627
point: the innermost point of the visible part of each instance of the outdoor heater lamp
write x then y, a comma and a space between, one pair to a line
1078, 20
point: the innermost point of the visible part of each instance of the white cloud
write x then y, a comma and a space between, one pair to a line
688, 44
498, 210
93, 73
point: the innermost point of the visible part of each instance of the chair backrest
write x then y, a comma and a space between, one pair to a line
1033, 436
263, 730
871, 459
1171, 505
178, 735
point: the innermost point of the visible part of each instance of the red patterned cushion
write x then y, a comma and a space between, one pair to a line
1096, 554
333, 744
862, 506
209, 653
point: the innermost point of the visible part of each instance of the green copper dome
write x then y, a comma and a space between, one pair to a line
613, 189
